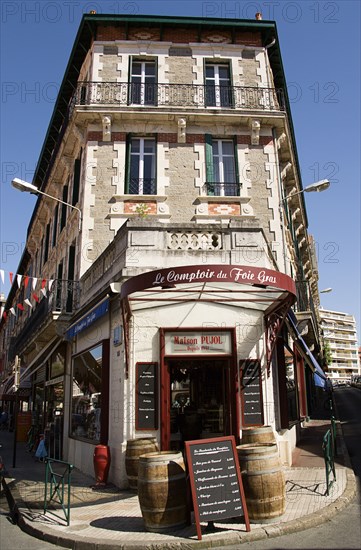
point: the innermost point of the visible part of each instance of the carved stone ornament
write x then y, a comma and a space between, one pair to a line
107, 127
182, 125
255, 130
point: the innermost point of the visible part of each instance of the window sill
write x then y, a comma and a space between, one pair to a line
144, 198
226, 198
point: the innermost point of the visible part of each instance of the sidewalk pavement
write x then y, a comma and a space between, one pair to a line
110, 518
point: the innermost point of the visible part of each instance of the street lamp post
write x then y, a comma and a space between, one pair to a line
22, 186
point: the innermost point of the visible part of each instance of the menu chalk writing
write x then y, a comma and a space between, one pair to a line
146, 410
216, 482
251, 393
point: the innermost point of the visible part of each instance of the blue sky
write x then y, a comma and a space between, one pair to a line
320, 45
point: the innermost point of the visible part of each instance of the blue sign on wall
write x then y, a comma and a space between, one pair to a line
88, 319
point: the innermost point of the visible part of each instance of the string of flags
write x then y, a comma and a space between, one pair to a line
30, 283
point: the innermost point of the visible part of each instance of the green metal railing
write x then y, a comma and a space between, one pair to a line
329, 446
333, 435
57, 487
328, 454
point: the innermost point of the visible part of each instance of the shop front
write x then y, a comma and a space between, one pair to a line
179, 354
87, 386
210, 335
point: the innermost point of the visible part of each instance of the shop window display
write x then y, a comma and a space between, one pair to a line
86, 395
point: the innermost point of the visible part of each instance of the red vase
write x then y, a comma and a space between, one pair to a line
101, 461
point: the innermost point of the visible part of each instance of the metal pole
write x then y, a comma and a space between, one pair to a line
16, 408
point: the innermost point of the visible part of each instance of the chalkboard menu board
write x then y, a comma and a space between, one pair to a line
251, 393
216, 482
146, 405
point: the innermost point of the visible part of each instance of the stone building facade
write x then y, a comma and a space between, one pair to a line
183, 247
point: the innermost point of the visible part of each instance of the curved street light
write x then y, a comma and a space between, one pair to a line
22, 186
316, 187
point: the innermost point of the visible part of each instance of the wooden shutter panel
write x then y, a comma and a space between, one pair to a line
236, 166
209, 163
127, 162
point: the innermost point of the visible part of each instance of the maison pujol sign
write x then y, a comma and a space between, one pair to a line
193, 342
174, 277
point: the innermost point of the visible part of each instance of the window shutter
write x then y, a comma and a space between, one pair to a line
76, 181
209, 159
156, 82
236, 166
155, 188
127, 162
130, 89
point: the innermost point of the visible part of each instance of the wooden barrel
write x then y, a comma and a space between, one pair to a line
162, 491
260, 434
263, 481
136, 448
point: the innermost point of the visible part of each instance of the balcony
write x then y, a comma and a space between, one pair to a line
142, 186
186, 96
220, 189
60, 303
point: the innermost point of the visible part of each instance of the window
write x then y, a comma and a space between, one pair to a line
59, 288
218, 85
64, 207
55, 225
141, 166
47, 241
70, 282
143, 82
221, 167
76, 180
89, 400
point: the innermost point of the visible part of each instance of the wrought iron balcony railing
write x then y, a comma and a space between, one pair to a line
179, 95
63, 298
221, 189
142, 186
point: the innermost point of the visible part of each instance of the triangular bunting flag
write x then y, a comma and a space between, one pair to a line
21, 307
19, 279
36, 297
2, 276
26, 281
2, 309
5, 315
11, 275
43, 290
35, 280
50, 284
12, 310
43, 283
28, 303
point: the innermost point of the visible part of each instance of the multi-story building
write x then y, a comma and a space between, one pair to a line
166, 275
340, 336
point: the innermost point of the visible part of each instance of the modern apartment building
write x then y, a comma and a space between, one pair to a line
166, 276
340, 335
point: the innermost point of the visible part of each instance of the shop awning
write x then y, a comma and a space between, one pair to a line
319, 376
7, 390
236, 286
233, 285
39, 360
